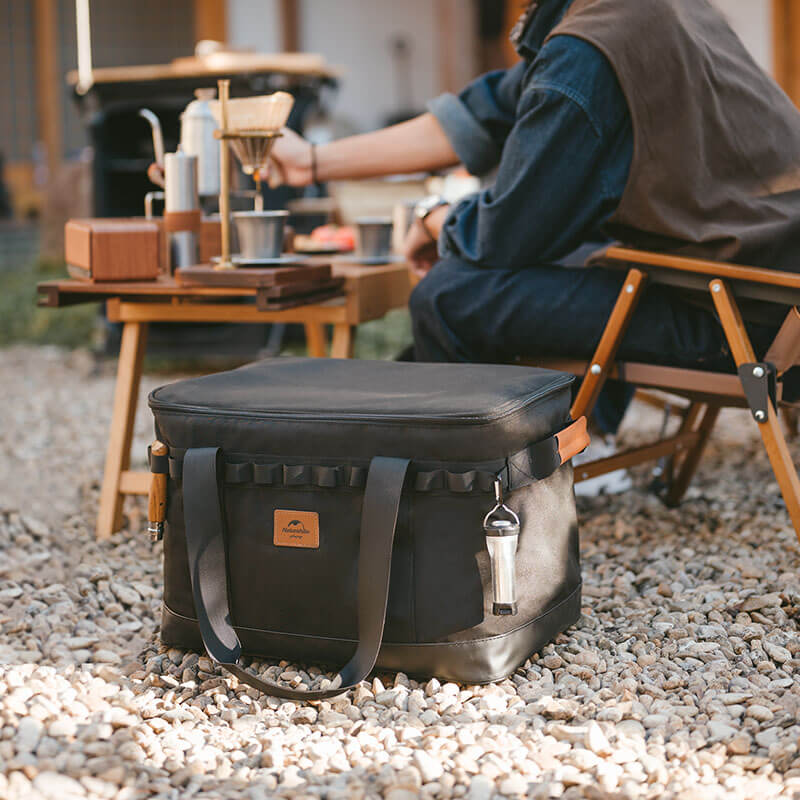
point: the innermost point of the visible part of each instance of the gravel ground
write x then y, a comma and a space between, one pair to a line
679, 681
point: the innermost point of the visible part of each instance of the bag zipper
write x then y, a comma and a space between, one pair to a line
510, 407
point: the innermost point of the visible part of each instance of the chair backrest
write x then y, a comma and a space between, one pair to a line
784, 352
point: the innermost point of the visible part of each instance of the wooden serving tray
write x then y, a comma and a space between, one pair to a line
288, 290
253, 277
264, 303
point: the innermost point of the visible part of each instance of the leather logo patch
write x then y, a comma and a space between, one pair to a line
296, 529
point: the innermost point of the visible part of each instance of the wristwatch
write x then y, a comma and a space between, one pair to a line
425, 207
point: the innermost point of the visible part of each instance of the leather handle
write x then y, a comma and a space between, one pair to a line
573, 439
157, 498
205, 541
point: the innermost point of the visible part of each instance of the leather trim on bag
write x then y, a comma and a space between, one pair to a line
159, 465
573, 440
474, 661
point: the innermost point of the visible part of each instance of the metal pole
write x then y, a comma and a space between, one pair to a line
224, 177
84, 27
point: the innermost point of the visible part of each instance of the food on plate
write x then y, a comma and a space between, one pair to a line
327, 239
341, 236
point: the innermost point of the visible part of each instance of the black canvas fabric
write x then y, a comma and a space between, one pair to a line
312, 435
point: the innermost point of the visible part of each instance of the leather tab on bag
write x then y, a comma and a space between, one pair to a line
159, 465
573, 439
295, 529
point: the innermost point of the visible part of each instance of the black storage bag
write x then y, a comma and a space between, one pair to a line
319, 510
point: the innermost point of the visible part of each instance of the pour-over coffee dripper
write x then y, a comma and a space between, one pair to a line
249, 125
252, 149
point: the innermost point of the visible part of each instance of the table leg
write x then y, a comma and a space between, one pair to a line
315, 340
118, 455
343, 340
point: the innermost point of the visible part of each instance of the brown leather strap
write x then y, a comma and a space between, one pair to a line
175, 221
573, 439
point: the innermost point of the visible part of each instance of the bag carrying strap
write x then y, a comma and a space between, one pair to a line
205, 541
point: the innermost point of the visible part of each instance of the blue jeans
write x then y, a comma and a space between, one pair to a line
461, 312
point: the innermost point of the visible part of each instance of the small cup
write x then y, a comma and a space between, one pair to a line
374, 237
260, 233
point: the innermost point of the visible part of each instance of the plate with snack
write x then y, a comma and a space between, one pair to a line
326, 240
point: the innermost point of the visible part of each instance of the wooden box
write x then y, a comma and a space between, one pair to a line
112, 249
210, 239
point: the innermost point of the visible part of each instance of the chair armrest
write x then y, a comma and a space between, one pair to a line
625, 257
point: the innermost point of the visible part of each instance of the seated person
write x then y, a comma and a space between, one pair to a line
644, 121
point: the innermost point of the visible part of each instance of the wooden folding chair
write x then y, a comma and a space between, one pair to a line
757, 384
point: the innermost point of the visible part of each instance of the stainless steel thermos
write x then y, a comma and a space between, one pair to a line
501, 526
197, 139
180, 194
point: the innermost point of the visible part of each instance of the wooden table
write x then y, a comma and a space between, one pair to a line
369, 293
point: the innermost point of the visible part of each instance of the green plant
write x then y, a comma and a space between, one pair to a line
22, 321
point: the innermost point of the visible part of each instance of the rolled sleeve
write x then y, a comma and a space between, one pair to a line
472, 142
547, 196
479, 119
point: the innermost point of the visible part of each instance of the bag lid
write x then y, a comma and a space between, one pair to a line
313, 393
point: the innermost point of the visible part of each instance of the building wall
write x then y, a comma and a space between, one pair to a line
254, 24
752, 20
124, 33
18, 118
352, 33
357, 35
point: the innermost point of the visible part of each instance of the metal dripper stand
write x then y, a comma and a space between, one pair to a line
252, 149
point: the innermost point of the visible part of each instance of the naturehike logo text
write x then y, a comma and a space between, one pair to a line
296, 530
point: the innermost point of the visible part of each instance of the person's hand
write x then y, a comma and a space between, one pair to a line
420, 249
289, 161
156, 174
421, 246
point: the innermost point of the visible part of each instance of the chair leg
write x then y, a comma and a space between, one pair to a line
700, 418
770, 430
662, 483
609, 343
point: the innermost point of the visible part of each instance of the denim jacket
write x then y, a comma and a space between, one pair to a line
558, 129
